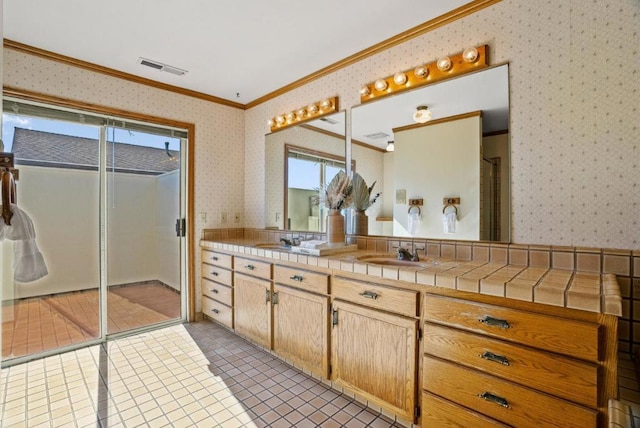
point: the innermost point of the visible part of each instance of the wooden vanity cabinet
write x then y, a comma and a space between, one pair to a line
511, 366
252, 300
217, 287
300, 304
374, 343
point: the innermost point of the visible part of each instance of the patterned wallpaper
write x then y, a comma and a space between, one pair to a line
574, 83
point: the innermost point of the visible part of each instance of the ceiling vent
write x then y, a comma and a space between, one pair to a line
377, 135
331, 121
162, 67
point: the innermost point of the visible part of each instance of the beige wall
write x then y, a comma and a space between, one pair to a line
573, 77
435, 162
63, 204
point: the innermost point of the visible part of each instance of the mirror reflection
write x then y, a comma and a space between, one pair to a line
299, 161
448, 177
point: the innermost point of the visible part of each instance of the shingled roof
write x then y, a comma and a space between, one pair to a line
65, 151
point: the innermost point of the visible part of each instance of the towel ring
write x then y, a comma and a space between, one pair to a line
414, 206
450, 205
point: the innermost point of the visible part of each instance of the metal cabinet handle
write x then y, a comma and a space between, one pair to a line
490, 356
215, 311
487, 396
297, 278
369, 295
214, 258
250, 267
214, 291
494, 322
214, 273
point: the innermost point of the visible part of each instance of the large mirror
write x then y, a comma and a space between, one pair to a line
300, 160
462, 152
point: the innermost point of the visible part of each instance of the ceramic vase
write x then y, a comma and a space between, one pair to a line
361, 223
335, 227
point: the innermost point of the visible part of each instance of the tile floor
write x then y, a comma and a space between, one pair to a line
41, 323
188, 375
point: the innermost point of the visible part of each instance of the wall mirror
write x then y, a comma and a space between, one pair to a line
300, 160
462, 152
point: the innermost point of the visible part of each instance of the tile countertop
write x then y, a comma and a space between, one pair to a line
587, 291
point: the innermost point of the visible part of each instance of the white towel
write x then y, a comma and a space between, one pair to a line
413, 222
449, 219
315, 244
28, 264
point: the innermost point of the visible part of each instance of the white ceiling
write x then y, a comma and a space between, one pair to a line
229, 47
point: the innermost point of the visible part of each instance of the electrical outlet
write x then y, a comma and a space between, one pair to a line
236, 218
223, 217
203, 217
277, 216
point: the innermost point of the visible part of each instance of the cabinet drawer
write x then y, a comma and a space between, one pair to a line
217, 311
437, 412
218, 259
304, 279
219, 292
501, 400
396, 300
215, 273
253, 267
568, 337
561, 376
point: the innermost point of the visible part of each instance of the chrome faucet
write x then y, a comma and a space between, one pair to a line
404, 254
287, 243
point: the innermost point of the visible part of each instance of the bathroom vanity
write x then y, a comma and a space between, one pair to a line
437, 342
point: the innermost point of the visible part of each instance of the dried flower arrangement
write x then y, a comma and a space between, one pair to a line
362, 193
338, 194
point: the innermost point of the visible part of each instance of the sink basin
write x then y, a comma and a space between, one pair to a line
389, 261
272, 246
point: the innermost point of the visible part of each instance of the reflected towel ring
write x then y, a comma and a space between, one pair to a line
450, 205
414, 206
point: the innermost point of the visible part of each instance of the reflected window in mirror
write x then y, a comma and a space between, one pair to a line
323, 141
430, 161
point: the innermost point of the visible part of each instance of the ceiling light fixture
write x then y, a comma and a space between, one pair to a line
471, 59
390, 146
312, 111
422, 114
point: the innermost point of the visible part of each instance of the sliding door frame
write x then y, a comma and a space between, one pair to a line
26, 95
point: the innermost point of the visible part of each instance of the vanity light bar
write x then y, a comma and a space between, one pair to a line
304, 114
471, 59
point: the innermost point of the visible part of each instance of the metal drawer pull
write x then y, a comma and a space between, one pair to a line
214, 273
495, 399
215, 311
297, 278
369, 295
495, 358
214, 291
494, 322
250, 267
214, 258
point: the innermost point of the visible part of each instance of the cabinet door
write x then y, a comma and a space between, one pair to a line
375, 354
252, 309
301, 328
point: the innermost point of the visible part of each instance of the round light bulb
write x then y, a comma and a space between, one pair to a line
291, 117
444, 63
364, 91
400, 78
271, 122
381, 85
325, 104
301, 113
470, 55
279, 120
421, 71
312, 108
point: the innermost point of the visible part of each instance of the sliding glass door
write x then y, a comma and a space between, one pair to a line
107, 204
